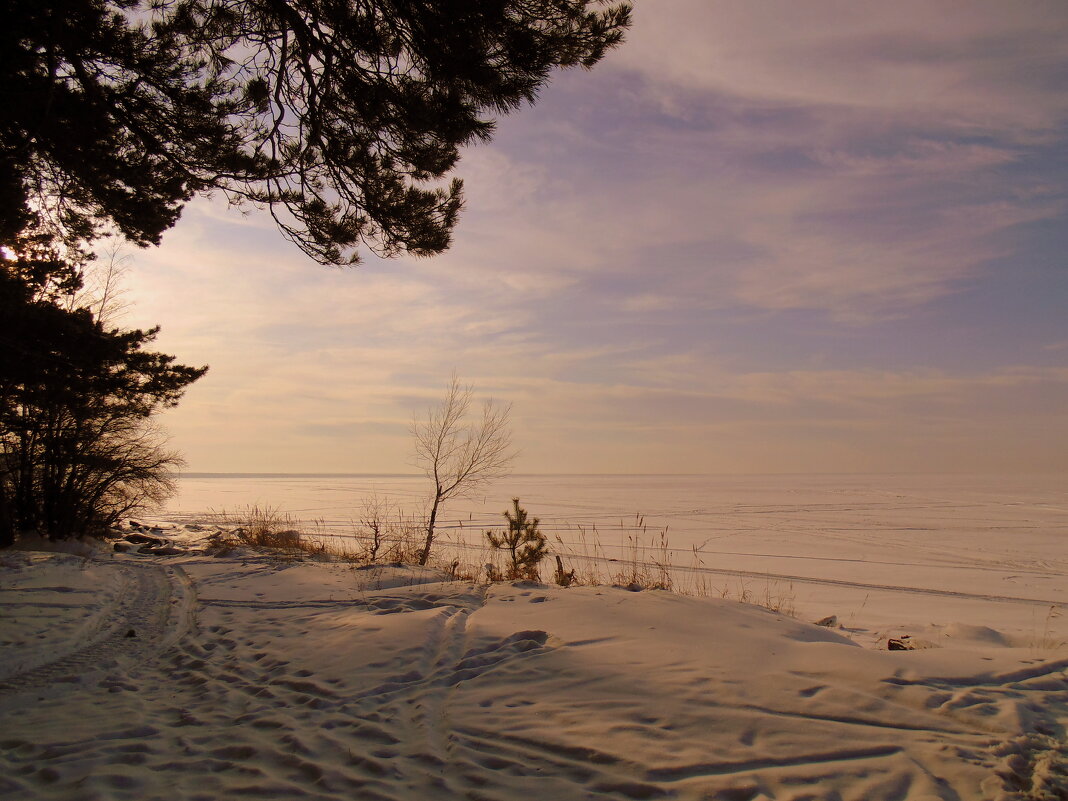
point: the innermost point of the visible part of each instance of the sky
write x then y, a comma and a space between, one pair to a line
759, 237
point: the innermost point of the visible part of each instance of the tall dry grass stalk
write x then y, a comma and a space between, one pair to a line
1044, 640
646, 562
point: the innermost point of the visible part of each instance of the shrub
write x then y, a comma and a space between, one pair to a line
264, 527
526, 545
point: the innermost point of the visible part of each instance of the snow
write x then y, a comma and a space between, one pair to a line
51, 604
200, 676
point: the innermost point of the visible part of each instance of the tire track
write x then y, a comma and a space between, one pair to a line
155, 609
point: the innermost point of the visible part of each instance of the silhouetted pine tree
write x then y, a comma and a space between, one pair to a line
77, 446
334, 115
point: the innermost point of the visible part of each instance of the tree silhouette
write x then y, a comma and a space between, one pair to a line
78, 449
341, 118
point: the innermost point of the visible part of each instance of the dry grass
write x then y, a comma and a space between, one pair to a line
384, 534
646, 564
1043, 639
644, 561
773, 595
376, 538
264, 527
586, 571
644, 567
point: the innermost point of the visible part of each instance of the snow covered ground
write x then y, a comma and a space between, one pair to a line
191, 676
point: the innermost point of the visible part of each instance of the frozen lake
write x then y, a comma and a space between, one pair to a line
893, 549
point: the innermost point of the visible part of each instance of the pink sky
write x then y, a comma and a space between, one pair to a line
760, 237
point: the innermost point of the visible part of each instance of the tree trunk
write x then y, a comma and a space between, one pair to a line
425, 555
7, 523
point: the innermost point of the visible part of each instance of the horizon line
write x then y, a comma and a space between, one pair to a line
328, 474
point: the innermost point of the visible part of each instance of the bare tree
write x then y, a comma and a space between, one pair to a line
460, 455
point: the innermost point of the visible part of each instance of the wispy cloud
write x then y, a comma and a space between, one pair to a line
761, 236
960, 65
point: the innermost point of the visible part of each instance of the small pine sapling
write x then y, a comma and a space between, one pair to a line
526, 545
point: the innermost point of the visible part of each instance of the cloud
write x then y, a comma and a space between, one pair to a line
757, 237
823, 420
961, 65
865, 159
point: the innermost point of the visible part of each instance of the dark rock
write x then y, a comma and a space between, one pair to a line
145, 539
161, 550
